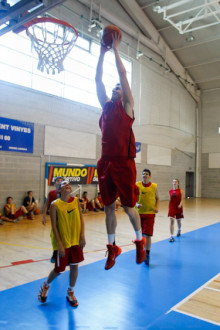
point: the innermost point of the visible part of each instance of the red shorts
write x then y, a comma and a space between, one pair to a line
17, 214
73, 256
178, 214
89, 206
118, 178
147, 224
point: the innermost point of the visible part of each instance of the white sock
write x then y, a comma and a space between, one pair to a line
138, 235
71, 288
111, 238
46, 283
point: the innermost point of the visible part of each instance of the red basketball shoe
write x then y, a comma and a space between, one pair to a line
71, 298
42, 295
140, 250
113, 252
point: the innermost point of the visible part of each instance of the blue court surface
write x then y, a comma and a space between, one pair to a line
127, 297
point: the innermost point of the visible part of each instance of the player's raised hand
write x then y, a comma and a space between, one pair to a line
116, 39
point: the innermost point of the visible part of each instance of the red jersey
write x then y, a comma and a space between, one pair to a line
175, 199
53, 194
118, 140
100, 200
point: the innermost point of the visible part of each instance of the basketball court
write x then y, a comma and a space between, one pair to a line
181, 285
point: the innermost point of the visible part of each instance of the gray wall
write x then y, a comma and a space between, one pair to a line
210, 144
164, 111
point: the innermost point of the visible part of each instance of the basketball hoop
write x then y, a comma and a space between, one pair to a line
52, 39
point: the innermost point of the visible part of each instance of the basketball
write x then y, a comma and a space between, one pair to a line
107, 34
37, 211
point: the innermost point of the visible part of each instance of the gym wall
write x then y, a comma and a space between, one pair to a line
165, 119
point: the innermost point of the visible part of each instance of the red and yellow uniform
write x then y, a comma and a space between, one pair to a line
69, 228
147, 193
9, 209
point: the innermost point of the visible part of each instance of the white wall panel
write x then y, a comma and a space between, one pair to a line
67, 143
214, 160
158, 156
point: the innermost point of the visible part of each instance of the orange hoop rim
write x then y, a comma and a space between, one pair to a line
37, 20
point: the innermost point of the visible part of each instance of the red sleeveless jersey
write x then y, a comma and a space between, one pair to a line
51, 197
118, 140
175, 199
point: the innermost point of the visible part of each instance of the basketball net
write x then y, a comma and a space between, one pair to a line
52, 39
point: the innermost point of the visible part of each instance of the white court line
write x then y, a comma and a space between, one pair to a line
208, 288
175, 308
197, 317
192, 294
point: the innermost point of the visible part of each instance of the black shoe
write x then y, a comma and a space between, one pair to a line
172, 240
52, 260
147, 260
179, 233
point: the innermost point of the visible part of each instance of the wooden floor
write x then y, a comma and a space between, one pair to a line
26, 247
205, 303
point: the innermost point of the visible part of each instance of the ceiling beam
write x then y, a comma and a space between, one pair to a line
213, 61
208, 80
23, 12
114, 19
146, 26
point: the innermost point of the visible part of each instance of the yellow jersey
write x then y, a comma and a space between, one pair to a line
68, 223
147, 197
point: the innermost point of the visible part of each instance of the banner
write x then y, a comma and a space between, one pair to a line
138, 152
85, 174
15, 135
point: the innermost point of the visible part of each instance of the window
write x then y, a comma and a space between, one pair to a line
18, 64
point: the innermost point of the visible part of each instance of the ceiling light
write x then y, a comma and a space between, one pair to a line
156, 7
139, 54
190, 37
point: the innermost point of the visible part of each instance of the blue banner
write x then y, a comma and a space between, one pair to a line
138, 146
16, 135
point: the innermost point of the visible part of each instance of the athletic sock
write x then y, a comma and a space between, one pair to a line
138, 235
111, 239
71, 288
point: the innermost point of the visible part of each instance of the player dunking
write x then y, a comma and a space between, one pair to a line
116, 168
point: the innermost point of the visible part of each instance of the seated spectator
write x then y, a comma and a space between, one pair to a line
81, 203
99, 203
90, 204
11, 211
3, 219
30, 204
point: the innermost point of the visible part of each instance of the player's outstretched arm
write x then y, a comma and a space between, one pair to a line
156, 210
100, 87
128, 100
44, 220
82, 241
181, 198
